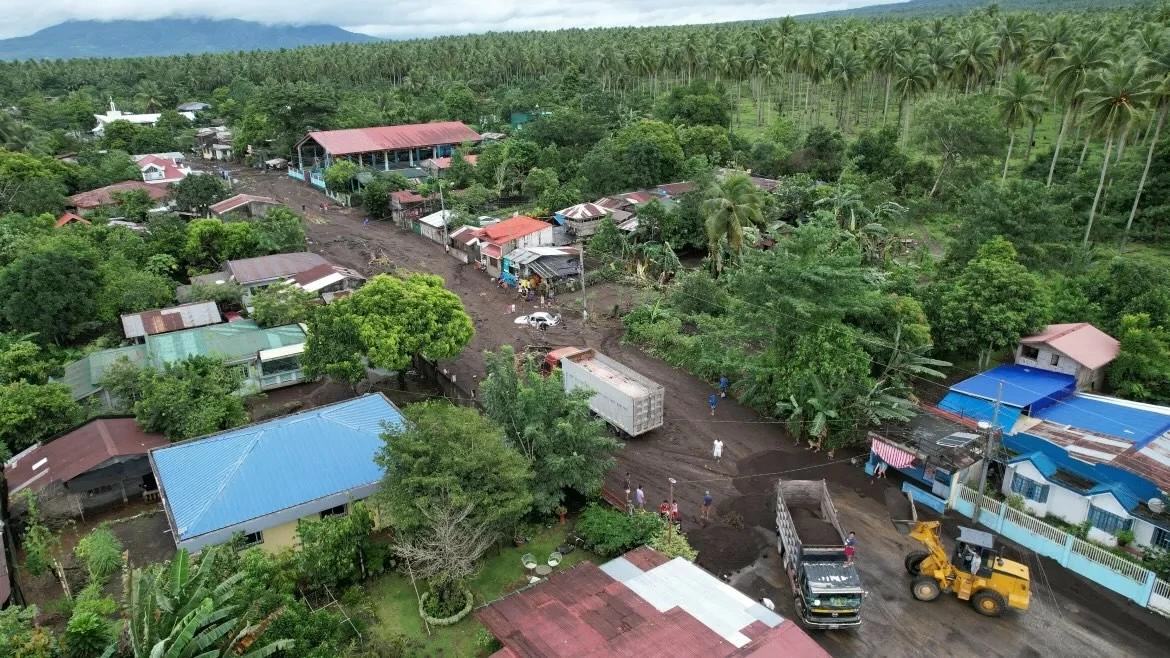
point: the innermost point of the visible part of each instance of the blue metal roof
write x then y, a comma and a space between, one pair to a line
228, 478
1121, 492
967, 406
1103, 416
1040, 460
1022, 386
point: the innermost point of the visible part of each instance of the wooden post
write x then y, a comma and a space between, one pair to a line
418, 596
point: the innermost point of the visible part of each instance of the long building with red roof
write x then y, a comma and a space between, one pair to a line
382, 147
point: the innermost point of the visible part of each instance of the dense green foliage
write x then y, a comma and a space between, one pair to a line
101, 551
190, 398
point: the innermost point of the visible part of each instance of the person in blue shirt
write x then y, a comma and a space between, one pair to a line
713, 401
723, 384
705, 515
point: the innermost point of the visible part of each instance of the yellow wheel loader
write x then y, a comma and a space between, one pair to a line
973, 572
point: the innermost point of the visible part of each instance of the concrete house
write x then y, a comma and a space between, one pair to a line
114, 114
160, 170
247, 205
98, 464
261, 479
498, 240
1078, 349
137, 326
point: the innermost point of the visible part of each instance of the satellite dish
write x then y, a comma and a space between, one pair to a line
1156, 505
984, 425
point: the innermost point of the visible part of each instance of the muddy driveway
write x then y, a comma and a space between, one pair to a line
1069, 616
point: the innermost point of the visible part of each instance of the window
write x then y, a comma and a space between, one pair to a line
254, 538
1161, 538
334, 511
1029, 352
1029, 489
1055, 360
1108, 521
96, 491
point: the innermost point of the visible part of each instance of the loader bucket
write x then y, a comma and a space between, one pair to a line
903, 514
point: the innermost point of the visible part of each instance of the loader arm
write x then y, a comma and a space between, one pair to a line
927, 533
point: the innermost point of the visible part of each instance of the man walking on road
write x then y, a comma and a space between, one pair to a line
706, 513
717, 449
713, 400
723, 384
640, 498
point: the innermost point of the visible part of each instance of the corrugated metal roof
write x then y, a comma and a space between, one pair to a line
235, 476
978, 409
436, 219
263, 268
233, 341
1109, 416
175, 318
1022, 386
1119, 491
1084, 343
82, 376
238, 201
640, 605
104, 196
78, 451
1040, 461
512, 228
584, 211
393, 138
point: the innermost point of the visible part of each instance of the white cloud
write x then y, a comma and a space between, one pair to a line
400, 19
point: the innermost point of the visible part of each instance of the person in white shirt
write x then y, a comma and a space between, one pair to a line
718, 449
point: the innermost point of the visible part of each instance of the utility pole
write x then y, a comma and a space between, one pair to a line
987, 450
581, 266
669, 514
443, 214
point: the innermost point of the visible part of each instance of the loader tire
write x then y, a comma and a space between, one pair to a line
925, 588
914, 562
988, 602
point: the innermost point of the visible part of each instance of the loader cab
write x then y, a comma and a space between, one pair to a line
972, 543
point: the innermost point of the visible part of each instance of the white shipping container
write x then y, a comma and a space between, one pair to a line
624, 398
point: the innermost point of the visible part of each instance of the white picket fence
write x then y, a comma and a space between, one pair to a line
1131, 570
1036, 526
1160, 597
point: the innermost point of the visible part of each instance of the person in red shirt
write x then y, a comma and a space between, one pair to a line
664, 509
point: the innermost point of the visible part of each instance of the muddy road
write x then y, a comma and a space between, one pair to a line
1069, 616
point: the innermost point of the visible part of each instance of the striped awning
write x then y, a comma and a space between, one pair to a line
892, 455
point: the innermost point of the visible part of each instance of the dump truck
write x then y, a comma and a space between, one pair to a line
628, 401
825, 585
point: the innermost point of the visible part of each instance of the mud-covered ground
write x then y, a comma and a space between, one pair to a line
1069, 615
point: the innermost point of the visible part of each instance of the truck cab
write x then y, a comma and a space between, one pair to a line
830, 596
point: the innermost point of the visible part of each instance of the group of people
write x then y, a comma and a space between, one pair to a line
714, 399
669, 508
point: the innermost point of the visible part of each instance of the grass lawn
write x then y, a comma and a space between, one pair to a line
397, 605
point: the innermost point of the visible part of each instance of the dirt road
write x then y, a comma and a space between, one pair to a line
1070, 616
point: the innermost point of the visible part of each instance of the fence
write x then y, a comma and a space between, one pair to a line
1093, 562
446, 382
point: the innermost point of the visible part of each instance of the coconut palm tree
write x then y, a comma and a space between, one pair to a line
887, 50
1158, 67
730, 206
976, 57
1117, 96
913, 76
1020, 101
1074, 69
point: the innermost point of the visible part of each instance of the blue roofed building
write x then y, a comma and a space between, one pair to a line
260, 480
1019, 390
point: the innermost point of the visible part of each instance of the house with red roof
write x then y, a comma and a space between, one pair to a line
640, 604
69, 218
104, 196
158, 169
248, 205
490, 244
1078, 349
382, 147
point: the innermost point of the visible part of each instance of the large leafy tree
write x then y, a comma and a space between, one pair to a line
568, 447
1142, 368
198, 193
182, 609
453, 454
334, 550
210, 242
991, 303
187, 399
957, 129
52, 292
30, 413
281, 304
385, 323
280, 231
32, 185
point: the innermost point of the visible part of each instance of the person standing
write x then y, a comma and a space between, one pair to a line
664, 509
723, 384
850, 547
706, 513
628, 487
640, 497
717, 449
713, 400
674, 511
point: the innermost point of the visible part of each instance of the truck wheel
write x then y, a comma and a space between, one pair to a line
924, 588
988, 602
914, 560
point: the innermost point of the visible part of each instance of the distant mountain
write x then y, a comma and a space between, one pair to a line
166, 37
920, 8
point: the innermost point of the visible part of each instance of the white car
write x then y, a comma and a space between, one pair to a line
539, 320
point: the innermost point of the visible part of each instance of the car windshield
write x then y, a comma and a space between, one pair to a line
838, 601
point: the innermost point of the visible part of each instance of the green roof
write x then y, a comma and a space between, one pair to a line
83, 375
233, 341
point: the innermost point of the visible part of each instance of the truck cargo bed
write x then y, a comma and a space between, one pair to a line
813, 530
627, 400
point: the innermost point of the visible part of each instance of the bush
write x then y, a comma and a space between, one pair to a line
436, 613
695, 291
486, 642
87, 635
1016, 502
1125, 538
610, 532
674, 545
101, 551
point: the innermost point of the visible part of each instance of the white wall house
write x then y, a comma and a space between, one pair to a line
1078, 349
1109, 509
114, 114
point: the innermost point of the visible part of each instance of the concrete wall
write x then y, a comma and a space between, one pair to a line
1086, 379
280, 537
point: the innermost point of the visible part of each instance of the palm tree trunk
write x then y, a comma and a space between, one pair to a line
1059, 141
1008, 159
1145, 172
1084, 152
886, 107
906, 122
1100, 187
941, 168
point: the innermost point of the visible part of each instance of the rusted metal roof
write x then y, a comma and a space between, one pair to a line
584, 211
263, 268
393, 138
1081, 341
511, 229
103, 196
79, 451
69, 217
675, 189
238, 201
175, 318
641, 604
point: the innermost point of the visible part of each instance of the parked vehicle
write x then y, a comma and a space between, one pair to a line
626, 400
825, 584
539, 320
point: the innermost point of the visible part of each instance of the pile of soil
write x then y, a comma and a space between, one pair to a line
813, 530
725, 551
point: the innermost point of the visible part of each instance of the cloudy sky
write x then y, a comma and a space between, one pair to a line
402, 19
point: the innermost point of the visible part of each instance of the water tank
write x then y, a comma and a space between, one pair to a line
1156, 505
